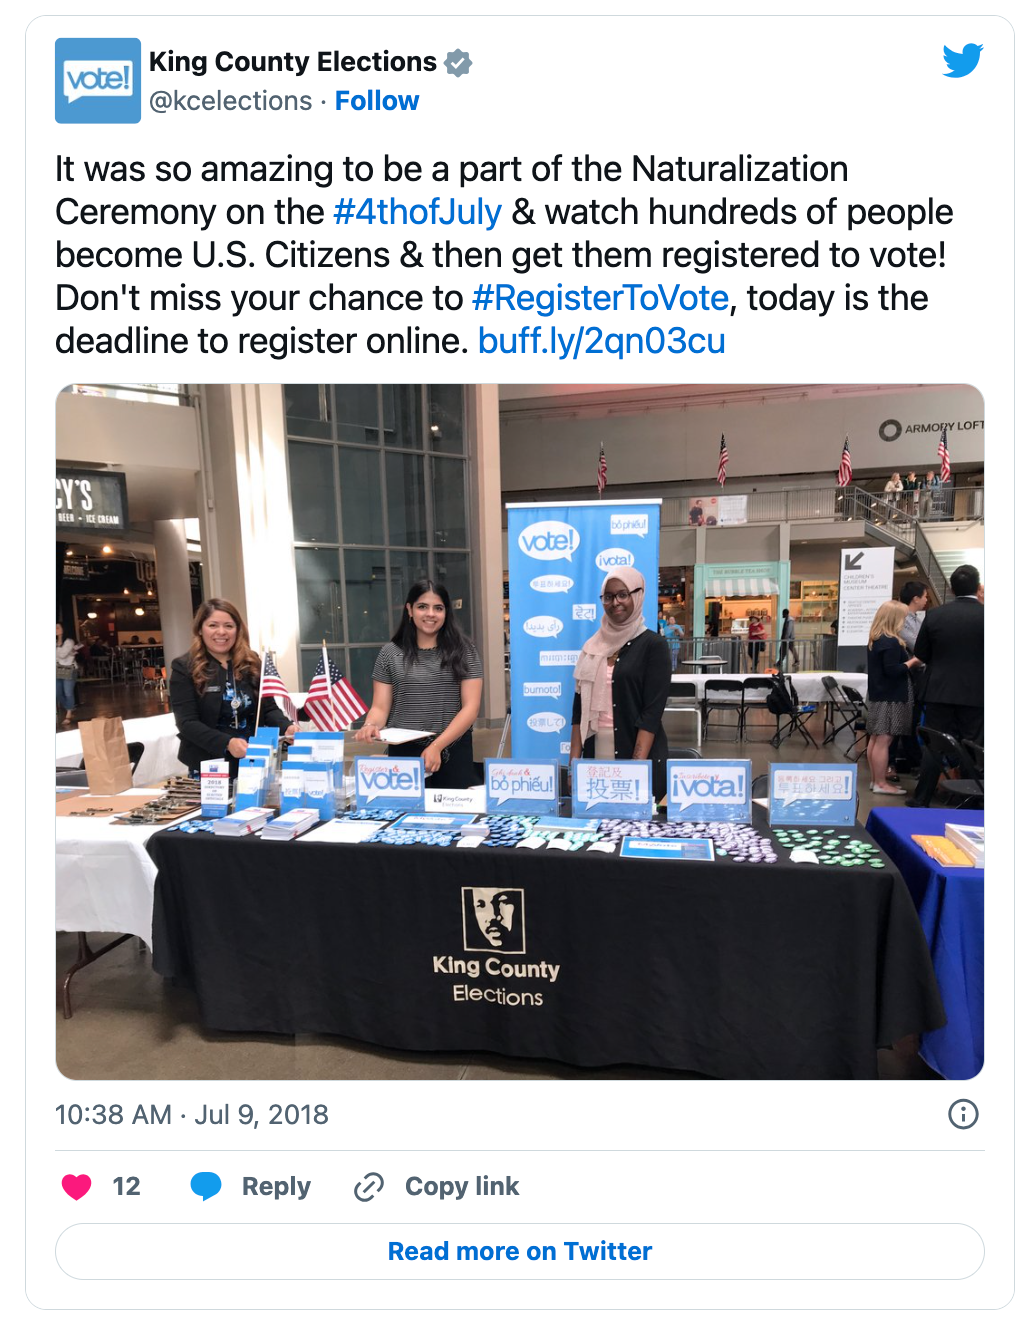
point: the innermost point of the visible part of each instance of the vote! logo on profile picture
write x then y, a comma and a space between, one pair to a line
97, 80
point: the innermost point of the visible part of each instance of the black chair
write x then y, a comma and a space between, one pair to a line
723, 696
754, 683
761, 786
977, 756
783, 702
847, 703
135, 751
682, 698
684, 752
952, 753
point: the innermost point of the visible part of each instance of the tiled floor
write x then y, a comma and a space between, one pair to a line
129, 1023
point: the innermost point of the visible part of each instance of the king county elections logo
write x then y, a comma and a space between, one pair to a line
492, 920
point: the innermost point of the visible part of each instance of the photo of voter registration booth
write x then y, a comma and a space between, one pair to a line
461, 739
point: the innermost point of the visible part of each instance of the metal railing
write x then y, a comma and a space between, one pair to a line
944, 504
815, 653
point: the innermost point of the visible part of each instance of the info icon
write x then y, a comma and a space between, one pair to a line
97, 80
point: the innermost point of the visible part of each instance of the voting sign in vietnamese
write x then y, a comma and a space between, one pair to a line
559, 555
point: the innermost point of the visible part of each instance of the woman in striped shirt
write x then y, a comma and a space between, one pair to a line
429, 678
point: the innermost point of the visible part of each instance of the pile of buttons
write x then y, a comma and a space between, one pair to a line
737, 841
831, 848
414, 837
195, 825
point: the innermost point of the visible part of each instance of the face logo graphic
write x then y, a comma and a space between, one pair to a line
492, 920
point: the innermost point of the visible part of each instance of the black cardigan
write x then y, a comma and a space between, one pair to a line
641, 687
887, 672
197, 715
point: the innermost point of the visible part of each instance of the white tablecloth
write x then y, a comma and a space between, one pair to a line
160, 748
105, 878
809, 686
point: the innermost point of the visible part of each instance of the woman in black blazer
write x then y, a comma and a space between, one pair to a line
890, 696
214, 690
623, 682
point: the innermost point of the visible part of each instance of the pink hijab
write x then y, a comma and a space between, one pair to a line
606, 642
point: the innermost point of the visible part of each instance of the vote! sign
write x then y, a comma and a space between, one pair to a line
713, 791
521, 788
389, 783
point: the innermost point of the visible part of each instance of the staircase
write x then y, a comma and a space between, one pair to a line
891, 526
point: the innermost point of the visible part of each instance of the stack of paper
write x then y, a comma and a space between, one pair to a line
970, 839
289, 825
243, 821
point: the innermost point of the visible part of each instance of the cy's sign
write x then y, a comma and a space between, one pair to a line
521, 788
91, 501
619, 789
389, 783
714, 791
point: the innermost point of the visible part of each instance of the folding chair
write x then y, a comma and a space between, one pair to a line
682, 699
846, 702
952, 753
755, 682
977, 756
723, 696
151, 678
761, 786
783, 701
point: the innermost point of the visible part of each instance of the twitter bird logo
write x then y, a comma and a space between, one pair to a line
962, 62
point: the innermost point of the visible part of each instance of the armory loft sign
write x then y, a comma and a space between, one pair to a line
891, 429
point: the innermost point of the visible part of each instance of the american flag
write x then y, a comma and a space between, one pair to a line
944, 456
600, 477
273, 687
845, 467
722, 462
329, 704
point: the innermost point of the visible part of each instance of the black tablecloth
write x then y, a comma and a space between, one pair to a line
730, 970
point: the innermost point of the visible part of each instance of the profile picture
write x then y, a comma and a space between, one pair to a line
492, 920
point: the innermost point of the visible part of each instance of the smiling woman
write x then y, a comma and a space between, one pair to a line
623, 680
429, 678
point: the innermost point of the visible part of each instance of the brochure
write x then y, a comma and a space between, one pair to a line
666, 848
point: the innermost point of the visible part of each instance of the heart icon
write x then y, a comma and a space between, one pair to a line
76, 1186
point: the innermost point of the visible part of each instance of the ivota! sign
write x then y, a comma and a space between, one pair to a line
559, 555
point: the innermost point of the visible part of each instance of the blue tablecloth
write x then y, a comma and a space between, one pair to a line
951, 905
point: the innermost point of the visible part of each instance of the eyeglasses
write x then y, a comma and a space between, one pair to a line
607, 598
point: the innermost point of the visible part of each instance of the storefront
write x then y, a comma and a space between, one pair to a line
726, 595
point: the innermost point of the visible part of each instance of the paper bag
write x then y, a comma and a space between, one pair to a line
107, 758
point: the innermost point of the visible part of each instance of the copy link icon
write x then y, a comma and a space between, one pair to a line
368, 1187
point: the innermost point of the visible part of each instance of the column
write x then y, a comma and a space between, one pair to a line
488, 568
172, 567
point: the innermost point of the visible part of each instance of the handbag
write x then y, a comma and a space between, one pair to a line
66, 672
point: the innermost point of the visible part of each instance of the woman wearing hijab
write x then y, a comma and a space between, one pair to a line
623, 681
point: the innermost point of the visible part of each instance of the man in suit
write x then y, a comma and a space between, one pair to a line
951, 643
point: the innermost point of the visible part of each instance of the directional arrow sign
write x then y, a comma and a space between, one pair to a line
865, 581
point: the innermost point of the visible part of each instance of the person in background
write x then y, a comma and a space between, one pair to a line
910, 489
929, 486
214, 690
787, 641
980, 594
905, 754
757, 638
622, 678
66, 675
889, 691
429, 678
951, 644
673, 634
893, 493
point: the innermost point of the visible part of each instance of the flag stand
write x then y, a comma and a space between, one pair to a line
258, 702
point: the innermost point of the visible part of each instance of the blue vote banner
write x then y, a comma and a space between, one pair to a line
559, 555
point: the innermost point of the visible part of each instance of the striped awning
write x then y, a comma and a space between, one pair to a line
741, 587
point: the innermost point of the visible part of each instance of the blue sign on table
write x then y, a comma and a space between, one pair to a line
822, 793
432, 822
388, 783
613, 787
709, 791
521, 788
666, 848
